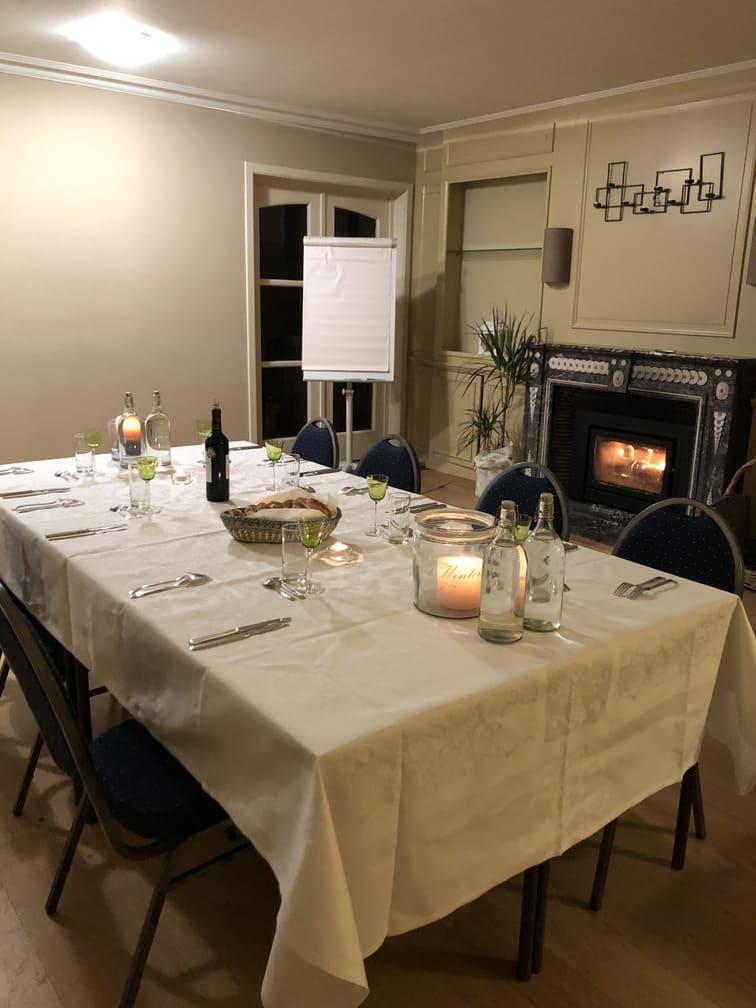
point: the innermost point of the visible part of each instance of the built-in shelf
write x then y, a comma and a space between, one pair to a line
493, 251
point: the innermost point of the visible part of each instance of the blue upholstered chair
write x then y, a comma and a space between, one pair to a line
686, 539
147, 804
317, 442
524, 483
393, 456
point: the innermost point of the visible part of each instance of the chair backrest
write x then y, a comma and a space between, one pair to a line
687, 538
317, 442
24, 642
524, 483
393, 456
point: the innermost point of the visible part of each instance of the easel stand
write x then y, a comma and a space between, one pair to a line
348, 393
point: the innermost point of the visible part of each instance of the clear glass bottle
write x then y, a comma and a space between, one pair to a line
545, 553
130, 433
503, 582
157, 431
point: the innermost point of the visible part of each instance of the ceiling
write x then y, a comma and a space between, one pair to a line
408, 63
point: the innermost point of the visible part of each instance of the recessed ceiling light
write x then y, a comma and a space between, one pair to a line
116, 38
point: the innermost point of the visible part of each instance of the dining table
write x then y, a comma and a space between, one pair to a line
389, 765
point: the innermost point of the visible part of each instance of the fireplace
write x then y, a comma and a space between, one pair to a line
624, 459
622, 429
624, 463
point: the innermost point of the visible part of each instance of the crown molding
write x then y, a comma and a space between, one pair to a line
146, 87
693, 75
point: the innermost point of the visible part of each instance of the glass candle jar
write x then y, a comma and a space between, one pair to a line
449, 549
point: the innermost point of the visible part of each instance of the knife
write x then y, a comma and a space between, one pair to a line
34, 493
426, 507
75, 533
238, 633
246, 447
319, 472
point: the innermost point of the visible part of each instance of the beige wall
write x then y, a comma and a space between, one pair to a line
685, 274
122, 254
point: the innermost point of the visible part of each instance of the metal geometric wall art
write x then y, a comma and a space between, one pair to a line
696, 194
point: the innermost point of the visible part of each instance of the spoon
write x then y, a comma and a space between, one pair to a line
183, 581
276, 584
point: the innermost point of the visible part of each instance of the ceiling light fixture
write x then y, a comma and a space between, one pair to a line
116, 38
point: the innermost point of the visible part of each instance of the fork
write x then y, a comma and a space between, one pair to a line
633, 591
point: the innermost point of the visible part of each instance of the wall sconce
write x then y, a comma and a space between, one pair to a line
557, 255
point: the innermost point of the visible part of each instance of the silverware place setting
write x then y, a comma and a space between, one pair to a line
319, 472
350, 491
417, 508
238, 633
66, 474
79, 533
15, 471
284, 589
62, 502
633, 591
188, 580
12, 494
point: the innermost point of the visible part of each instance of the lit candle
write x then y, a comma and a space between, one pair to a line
132, 435
458, 582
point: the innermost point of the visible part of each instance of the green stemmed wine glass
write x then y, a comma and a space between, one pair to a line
146, 465
204, 430
522, 528
312, 532
274, 450
376, 491
94, 441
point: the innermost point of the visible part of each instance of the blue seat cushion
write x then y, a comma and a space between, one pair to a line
148, 791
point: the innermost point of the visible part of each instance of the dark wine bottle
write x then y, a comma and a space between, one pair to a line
216, 460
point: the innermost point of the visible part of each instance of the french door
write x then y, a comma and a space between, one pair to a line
285, 215
280, 399
356, 217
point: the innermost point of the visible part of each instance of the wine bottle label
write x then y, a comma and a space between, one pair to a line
209, 455
227, 467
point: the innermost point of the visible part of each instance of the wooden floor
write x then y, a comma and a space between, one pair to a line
664, 939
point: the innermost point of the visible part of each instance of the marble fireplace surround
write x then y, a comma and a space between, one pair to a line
720, 389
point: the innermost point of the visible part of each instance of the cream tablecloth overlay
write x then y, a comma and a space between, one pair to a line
390, 766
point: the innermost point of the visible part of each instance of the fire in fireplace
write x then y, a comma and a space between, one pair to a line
629, 464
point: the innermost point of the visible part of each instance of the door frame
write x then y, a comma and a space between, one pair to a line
399, 196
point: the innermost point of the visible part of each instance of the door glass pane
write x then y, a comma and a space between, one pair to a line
363, 406
350, 224
281, 323
282, 229
284, 395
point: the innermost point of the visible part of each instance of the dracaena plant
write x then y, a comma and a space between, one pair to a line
508, 342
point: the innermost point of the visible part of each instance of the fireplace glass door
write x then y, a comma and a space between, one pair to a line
629, 465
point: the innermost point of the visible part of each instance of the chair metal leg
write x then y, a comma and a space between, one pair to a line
146, 936
697, 798
31, 766
4, 669
602, 865
69, 850
527, 923
542, 896
683, 821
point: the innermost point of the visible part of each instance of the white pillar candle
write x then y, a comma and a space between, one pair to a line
458, 582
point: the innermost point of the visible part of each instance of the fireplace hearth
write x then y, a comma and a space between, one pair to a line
622, 429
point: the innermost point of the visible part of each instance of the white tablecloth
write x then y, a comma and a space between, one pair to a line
390, 766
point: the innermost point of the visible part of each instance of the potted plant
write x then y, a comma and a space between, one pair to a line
508, 343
